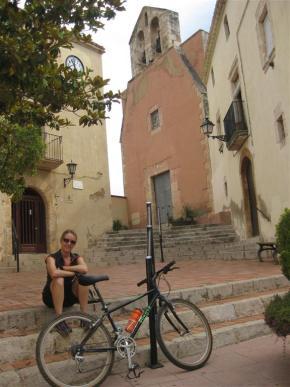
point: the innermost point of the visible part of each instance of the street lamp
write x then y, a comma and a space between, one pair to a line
71, 170
207, 129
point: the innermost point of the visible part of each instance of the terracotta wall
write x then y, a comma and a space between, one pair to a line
194, 48
177, 146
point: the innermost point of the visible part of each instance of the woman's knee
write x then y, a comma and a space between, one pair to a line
57, 282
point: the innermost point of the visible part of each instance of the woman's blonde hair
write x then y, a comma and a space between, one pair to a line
68, 231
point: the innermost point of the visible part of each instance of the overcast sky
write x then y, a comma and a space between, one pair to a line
193, 15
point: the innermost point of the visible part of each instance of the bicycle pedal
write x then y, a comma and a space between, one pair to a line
135, 372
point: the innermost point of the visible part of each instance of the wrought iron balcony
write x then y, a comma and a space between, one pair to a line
236, 130
52, 157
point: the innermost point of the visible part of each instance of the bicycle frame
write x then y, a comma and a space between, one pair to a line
107, 314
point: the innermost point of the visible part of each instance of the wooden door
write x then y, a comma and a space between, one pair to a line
29, 219
250, 197
163, 199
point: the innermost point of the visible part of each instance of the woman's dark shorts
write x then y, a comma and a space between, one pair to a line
69, 297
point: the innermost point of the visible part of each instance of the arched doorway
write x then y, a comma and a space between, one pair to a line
29, 218
250, 201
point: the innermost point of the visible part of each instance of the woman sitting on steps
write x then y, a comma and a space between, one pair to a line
62, 288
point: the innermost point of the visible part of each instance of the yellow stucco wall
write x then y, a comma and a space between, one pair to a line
87, 210
120, 209
265, 92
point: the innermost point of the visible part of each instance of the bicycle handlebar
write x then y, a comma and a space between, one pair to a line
165, 269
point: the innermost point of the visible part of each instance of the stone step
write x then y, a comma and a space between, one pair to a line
8, 269
106, 241
234, 310
25, 340
27, 262
225, 251
35, 318
169, 233
171, 243
26, 374
176, 229
168, 242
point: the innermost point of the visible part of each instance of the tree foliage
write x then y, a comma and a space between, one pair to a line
35, 86
277, 313
283, 241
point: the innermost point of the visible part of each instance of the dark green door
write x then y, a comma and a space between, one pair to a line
163, 198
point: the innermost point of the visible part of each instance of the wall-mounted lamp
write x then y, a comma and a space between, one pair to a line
207, 128
71, 170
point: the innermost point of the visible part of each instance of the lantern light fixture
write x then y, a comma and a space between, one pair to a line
207, 129
71, 170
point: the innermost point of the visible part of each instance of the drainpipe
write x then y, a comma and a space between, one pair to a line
242, 70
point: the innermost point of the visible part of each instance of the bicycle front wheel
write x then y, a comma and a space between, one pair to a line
63, 358
184, 334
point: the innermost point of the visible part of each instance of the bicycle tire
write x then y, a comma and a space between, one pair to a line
55, 354
184, 334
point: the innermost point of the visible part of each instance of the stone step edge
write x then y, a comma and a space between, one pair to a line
177, 228
36, 315
220, 314
224, 336
216, 312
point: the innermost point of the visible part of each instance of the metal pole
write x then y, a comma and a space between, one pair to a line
150, 271
160, 234
15, 242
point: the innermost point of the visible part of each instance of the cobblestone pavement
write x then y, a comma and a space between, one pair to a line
259, 362
23, 290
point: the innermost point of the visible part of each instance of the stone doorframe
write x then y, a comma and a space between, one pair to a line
249, 195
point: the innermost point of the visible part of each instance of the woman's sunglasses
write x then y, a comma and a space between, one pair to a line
71, 241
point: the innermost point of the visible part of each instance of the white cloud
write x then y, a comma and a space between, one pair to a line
193, 15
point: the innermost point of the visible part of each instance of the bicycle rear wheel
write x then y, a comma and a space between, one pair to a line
64, 362
184, 334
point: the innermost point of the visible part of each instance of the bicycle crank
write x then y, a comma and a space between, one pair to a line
126, 346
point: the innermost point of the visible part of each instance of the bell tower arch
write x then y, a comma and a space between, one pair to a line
155, 31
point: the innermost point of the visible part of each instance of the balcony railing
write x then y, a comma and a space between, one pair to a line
235, 125
52, 157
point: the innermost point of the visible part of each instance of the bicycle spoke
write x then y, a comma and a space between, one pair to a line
184, 334
65, 362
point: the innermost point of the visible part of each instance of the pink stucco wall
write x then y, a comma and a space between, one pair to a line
177, 146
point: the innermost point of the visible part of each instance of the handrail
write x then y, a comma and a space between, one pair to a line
263, 214
15, 245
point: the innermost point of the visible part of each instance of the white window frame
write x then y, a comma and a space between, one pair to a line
265, 34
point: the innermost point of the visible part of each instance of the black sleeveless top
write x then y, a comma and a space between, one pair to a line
59, 263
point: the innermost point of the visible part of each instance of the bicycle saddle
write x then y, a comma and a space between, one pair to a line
87, 280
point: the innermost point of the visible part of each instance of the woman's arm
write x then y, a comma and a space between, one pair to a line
81, 267
54, 272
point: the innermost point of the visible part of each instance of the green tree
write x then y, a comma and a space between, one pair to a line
34, 87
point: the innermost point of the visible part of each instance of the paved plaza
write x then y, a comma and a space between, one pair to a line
260, 362
23, 290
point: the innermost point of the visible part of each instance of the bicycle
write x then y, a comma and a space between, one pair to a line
85, 357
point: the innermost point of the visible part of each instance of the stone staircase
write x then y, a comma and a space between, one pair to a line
234, 310
179, 243
27, 262
182, 242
